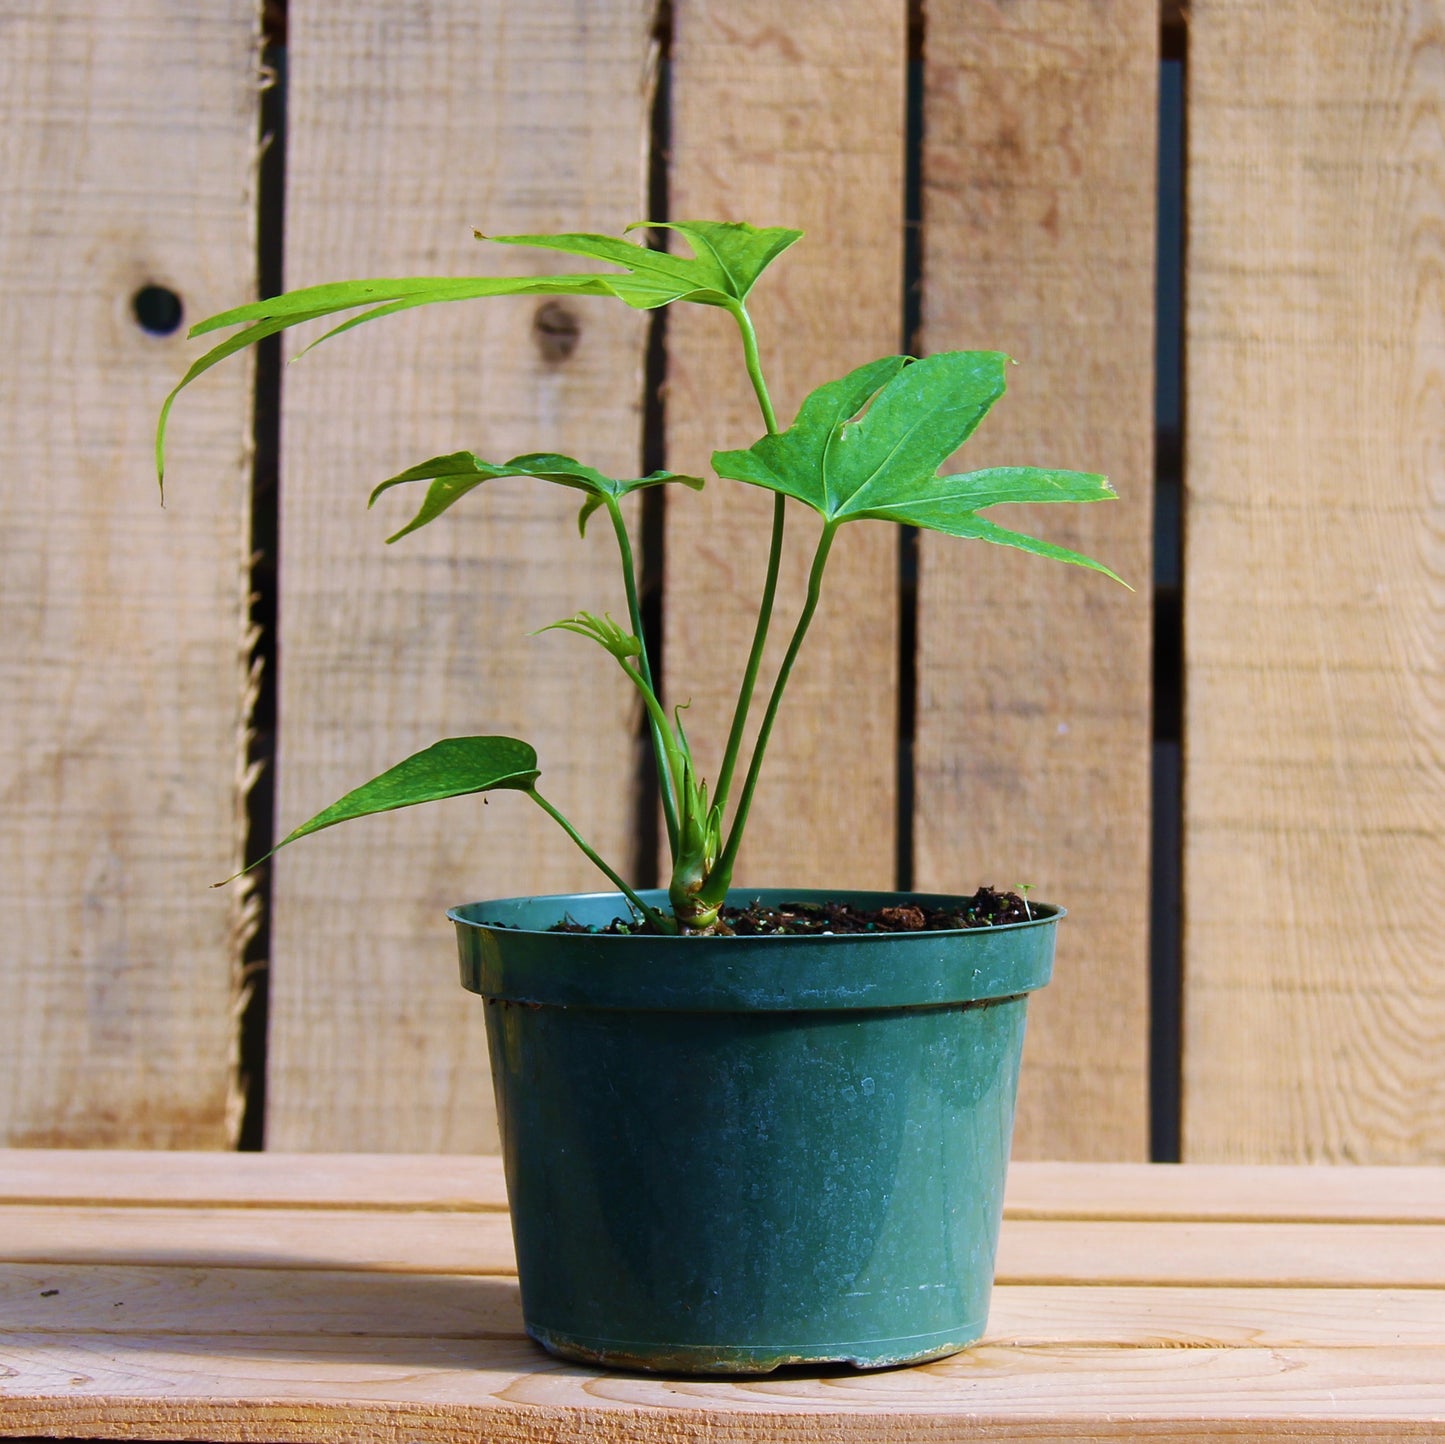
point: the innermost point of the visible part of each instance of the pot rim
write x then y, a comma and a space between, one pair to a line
469, 914
505, 955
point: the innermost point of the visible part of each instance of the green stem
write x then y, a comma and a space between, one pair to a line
660, 731
657, 919
721, 877
770, 586
755, 365
671, 757
755, 656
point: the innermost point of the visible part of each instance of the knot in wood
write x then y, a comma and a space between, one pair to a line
556, 331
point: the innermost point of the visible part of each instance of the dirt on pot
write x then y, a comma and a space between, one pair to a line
985, 909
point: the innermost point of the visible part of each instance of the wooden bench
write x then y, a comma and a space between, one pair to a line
315, 1297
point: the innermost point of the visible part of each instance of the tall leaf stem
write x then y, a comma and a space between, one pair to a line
715, 888
661, 740
770, 585
672, 757
754, 364
657, 919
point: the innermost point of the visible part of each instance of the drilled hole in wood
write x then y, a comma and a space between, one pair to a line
157, 310
556, 331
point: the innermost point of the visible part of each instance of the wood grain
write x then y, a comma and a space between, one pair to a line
1031, 1251
797, 124
410, 126
453, 1389
179, 1300
1267, 1193
1033, 726
1315, 775
180, 1320
126, 159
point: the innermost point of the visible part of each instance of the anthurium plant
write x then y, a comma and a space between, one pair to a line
865, 447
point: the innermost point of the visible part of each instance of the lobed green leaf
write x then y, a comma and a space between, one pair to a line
875, 436
728, 258
869, 445
454, 475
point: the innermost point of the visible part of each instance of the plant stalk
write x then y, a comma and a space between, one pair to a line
718, 882
658, 920
770, 585
660, 741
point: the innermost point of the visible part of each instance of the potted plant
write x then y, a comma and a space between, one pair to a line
739, 1130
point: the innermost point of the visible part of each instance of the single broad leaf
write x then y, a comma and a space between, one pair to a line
454, 475
727, 259
877, 436
453, 767
966, 524
741, 252
602, 630
971, 491
653, 478
794, 461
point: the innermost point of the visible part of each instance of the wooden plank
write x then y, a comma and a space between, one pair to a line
128, 150
1033, 725
1225, 1192
797, 124
355, 1181
296, 1180
450, 1389
1030, 1251
409, 127
178, 1300
301, 1239
1315, 843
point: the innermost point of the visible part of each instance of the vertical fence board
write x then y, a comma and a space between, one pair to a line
126, 146
1315, 776
789, 118
1033, 703
410, 125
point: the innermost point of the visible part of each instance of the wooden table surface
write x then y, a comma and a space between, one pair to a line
313, 1297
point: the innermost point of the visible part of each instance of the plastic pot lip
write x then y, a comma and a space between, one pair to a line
526, 964
494, 912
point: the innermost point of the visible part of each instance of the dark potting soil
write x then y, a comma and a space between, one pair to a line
985, 909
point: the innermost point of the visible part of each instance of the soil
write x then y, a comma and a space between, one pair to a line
985, 909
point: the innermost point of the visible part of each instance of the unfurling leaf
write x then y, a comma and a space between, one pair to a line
727, 260
869, 445
453, 767
602, 630
453, 476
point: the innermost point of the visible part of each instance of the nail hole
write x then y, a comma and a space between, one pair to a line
157, 310
556, 331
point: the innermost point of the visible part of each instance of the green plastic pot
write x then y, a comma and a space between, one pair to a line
728, 1154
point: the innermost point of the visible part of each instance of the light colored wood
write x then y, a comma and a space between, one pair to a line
126, 159
374, 1182
409, 127
292, 1180
1033, 724
796, 123
1225, 1192
179, 1300
325, 1388
275, 1237
1049, 1251
1315, 844
199, 1335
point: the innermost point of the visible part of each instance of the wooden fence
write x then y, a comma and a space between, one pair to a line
1313, 832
